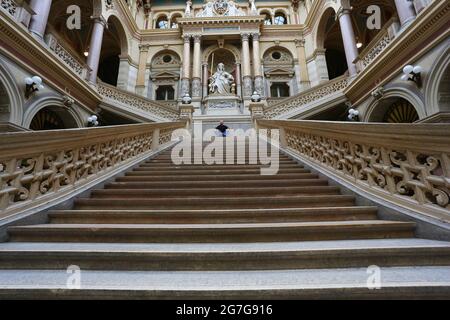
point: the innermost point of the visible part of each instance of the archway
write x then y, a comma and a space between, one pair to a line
394, 110
114, 46
53, 118
4, 104
329, 37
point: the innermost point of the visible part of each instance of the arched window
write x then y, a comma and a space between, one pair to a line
279, 90
280, 19
162, 23
173, 21
165, 93
52, 118
267, 19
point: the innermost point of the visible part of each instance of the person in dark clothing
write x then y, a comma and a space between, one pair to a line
222, 128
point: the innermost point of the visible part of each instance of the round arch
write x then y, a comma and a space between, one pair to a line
319, 29
56, 103
279, 47
236, 53
14, 95
377, 106
114, 20
156, 54
437, 84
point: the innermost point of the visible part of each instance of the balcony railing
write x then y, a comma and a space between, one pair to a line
63, 51
133, 103
38, 168
408, 165
381, 41
19, 10
286, 107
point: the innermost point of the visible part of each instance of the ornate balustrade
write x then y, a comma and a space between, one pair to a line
19, 10
64, 53
314, 95
381, 41
408, 165
130, 102
39, 167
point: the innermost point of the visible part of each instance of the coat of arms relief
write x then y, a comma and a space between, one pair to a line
223, 8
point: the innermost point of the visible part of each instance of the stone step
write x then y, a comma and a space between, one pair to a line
209, 171
234, 202
160, 166
213, 233
223, 257
209, 217
351, 283
213, 177
213, 192
215, 184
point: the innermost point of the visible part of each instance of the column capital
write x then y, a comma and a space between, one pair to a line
256, 36
186, 38
343, 11
197, 38
245, 36
100, 20
144, 47
300, 42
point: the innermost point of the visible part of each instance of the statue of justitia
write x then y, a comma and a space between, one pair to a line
221, 82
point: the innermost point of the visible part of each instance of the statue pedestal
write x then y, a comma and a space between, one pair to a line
222, 105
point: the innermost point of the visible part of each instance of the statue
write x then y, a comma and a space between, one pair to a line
220, 8
221, 82
188, 11
253, 8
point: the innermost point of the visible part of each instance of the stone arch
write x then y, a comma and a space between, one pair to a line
281, 48
69, 115
13, 97
319, 29
235, 51
151, 57
437, 87
379, 106
115, 20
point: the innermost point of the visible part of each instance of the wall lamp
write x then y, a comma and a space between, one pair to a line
33, 84
93, 121
413, 73
353, 115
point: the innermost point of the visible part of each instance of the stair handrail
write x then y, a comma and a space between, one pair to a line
407, 165
38, 168
130, 101
314, 94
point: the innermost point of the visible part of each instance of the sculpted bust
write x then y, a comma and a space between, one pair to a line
221, 82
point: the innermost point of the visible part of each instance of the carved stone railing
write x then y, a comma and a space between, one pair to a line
63, 52
296, 103
40, 167
381, 41
408, 165
19, 10
133, 103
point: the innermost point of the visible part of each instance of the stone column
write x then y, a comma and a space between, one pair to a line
143, 56
95, 48
205, 79
304, 75
405, 11
246, 69
197, 69
257, 65
348, 36
186, 76
38, 22
238, 79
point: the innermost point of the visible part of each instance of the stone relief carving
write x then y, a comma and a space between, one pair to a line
220, 8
